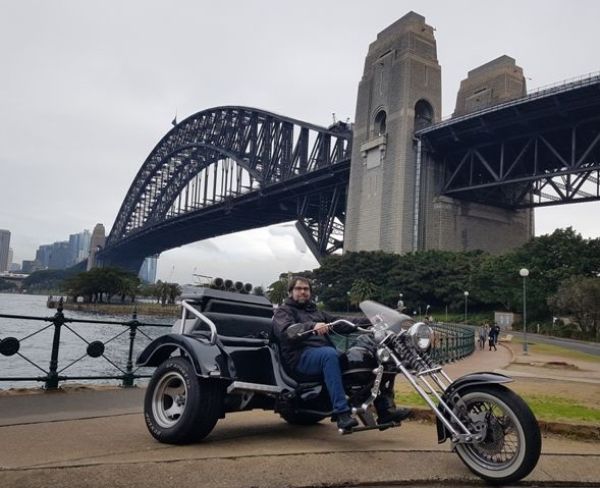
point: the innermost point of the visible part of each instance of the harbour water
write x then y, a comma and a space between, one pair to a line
35, 338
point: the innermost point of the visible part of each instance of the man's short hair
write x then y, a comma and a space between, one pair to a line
294, 279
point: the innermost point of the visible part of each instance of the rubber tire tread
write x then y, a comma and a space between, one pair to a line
533, 438
203, 405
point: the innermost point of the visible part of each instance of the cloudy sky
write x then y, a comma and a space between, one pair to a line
87, 88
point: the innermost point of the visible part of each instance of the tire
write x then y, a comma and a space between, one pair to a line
509, 421
179, 407
301, 418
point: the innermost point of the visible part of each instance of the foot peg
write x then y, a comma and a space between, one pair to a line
373, 427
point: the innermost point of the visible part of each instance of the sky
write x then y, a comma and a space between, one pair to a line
88, 88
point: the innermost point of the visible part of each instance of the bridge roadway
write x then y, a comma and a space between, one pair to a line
98, 439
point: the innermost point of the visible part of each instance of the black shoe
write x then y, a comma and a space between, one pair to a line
393, 415
345, 421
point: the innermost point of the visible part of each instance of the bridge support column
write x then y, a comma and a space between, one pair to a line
400, 91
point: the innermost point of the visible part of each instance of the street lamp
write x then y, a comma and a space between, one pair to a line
466, 301
524, 272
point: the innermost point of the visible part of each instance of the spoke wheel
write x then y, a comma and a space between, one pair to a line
180, 407
512, 444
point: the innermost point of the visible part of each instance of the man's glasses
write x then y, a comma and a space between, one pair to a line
301, 288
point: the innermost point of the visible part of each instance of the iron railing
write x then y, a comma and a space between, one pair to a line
450, 342
126, 373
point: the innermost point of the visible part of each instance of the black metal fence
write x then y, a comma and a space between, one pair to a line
125, 372
451, 342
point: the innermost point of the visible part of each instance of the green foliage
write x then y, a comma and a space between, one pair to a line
277, 291
362, 290
579, 297
163, 292
101, 284
440, 278
46, 280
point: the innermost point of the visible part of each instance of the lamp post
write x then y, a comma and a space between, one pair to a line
466, 301
524, 272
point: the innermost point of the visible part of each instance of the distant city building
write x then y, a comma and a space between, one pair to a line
54, 256
79, 246
42, 255
10, 258
148, 270
14, 268
60, 256
97, 242
29, 266
4, 249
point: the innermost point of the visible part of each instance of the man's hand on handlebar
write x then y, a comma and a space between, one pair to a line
321, 328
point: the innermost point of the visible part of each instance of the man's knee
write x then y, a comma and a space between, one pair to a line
328, 354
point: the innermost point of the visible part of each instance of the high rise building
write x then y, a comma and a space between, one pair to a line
42, 255
97, 242
4, 249
148, 270
79, 246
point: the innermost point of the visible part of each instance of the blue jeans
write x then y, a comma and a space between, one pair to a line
324, 360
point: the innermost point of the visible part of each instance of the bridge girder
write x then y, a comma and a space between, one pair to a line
221, 156
541, 150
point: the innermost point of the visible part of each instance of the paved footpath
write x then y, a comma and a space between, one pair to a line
98, 439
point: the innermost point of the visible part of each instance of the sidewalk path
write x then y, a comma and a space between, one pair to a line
98, 439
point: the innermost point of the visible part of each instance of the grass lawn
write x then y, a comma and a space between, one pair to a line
552, 350
545, 407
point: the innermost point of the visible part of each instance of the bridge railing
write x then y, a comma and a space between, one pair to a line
450, 342
540, 92
120, 362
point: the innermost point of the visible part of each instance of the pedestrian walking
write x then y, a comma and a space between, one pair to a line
493, 336
483, 333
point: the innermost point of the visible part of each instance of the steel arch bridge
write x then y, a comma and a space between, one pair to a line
229, 169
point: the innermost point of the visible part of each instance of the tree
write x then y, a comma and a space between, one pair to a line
277, 291
579, 297
361, 290
101, 283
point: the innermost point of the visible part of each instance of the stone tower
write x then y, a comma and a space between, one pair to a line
456, 225
97, 242
400, 90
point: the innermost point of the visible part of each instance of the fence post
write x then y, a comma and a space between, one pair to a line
128, 378
58, 320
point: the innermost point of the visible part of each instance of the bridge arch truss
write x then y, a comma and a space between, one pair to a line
226, 156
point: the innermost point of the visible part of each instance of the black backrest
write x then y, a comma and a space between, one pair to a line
227, 302
234, 325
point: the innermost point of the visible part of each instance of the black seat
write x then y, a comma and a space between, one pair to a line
238, 326
293, 377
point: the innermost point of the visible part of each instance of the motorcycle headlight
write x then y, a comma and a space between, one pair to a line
421, 335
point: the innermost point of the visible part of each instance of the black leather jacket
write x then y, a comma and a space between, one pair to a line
307, 314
